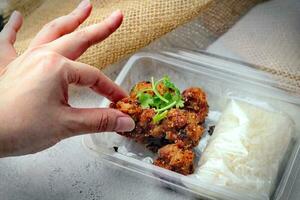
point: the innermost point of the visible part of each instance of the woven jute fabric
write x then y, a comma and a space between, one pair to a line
207, 27
266, 37
26, 6
203, 21
144, 22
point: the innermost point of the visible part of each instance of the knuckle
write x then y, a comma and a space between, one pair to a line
51, 57
84, 36
35, 50
50, 61
74, 77
55, 26
108, 26
51, 25
74, 16
111, 91
81, 33
103, 122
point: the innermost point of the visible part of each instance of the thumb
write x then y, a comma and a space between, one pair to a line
93, 120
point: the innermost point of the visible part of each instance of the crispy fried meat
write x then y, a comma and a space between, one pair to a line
175, 135
142, 86
195, 101
128, 106
175, 158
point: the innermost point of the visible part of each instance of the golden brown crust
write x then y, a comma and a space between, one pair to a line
195, 101
162, 89
128, 106
176, 135
141, 86
177, 159
175, 119
192, 134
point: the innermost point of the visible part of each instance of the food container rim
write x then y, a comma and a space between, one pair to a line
221, 66
195, 61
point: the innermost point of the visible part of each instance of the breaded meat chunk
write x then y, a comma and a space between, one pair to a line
177, 159
176, 134
142, 86
195, 100
175, 119
128, 106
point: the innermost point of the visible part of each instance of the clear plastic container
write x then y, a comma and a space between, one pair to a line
222, 79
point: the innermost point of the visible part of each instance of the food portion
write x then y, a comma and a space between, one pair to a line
167, 121
246, 149
176, 158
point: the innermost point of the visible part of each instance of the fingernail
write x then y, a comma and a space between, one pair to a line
83, 4
14, 15
116, 13
125, 124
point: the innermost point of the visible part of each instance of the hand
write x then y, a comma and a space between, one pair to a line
34, 109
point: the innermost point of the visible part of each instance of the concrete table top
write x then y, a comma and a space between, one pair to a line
69, 171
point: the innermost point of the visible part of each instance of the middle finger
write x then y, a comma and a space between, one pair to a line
76, 43
62, 25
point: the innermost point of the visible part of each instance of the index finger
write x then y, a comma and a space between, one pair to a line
74, 44
62, 25
85, 75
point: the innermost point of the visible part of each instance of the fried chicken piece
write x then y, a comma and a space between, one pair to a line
128, 106
195, 100
132, 108
145, 132
155, 143
143, 86
139, 87
192, 117
176, 158
191, 135
157, 131
174, 136
175, 119
146, 128
188, 137
181, 126
162, 89
145, 119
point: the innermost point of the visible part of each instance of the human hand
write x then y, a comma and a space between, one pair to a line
34, 109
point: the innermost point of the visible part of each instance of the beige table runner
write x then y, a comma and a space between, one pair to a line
145, 21
273, 48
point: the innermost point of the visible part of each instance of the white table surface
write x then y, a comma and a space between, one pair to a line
69, 171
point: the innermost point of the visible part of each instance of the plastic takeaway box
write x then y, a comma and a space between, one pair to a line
223, 80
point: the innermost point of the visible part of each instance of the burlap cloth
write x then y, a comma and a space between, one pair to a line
145, 20
202, 22
269, 36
